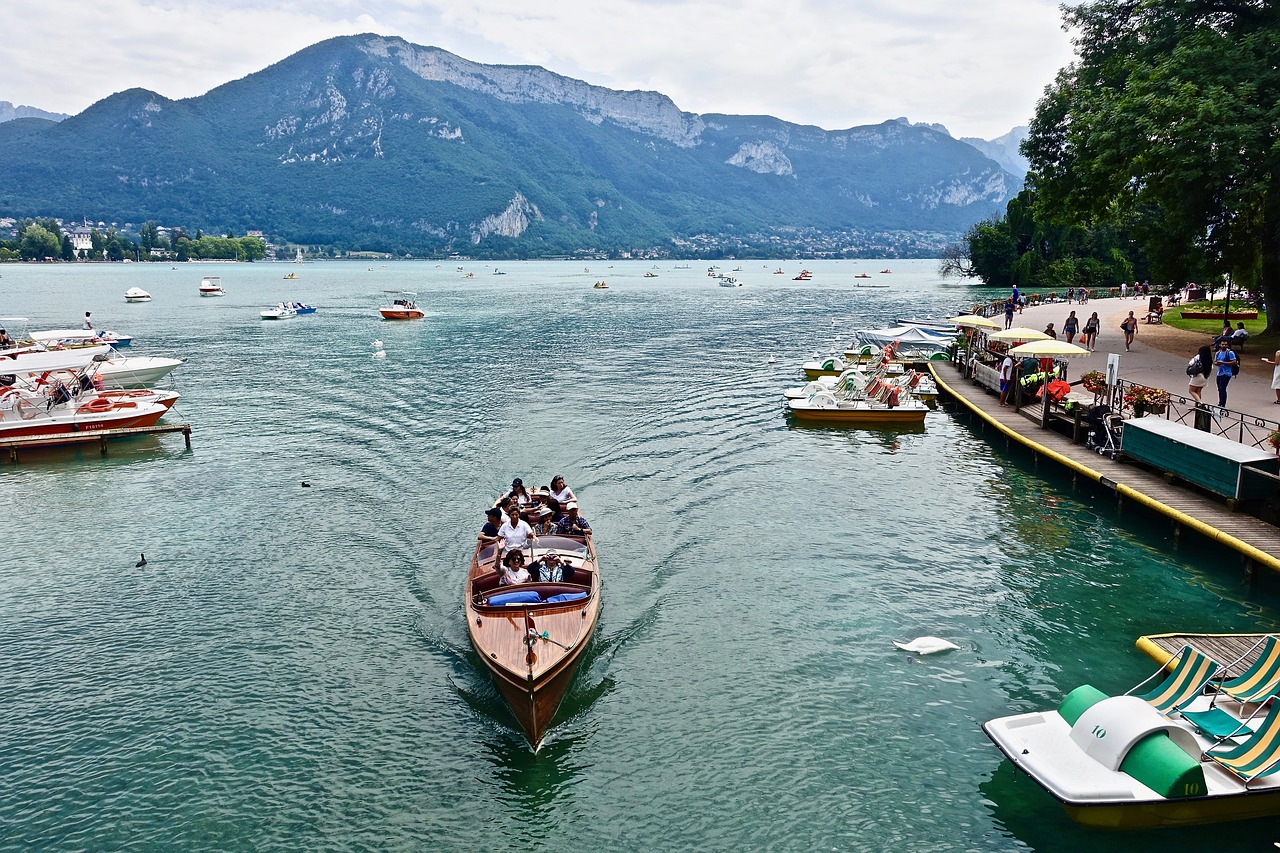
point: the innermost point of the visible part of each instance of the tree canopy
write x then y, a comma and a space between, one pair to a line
1169, 119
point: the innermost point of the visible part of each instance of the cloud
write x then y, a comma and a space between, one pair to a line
978, 68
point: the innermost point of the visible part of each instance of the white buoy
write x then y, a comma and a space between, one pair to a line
377, 344
380, 354
772, 359
926, 645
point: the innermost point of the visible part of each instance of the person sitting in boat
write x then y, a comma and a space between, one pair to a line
546, 523
549, 568
513, 570
515, 531
571, 522
87, 325
561, 492
489, 533
519, 493
6, 342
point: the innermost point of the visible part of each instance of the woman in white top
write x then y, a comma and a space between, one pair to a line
513, 570
515, 532
1275, 373
560, 492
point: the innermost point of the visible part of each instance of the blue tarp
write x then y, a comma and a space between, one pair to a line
524, 596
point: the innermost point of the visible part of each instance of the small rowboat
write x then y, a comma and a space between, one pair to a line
532, 636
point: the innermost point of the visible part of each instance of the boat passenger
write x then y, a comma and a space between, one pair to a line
546, 523
573, 523
6, 342
519, 492
489, 533
561, 492
515, 531
513, 570
549, 568
87, 326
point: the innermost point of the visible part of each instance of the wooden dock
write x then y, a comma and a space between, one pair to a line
1257, 541
101, 436
1224, 648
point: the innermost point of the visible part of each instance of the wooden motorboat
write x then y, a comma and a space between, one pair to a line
403, 307
532, 647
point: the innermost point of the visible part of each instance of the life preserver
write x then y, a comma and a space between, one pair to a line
97, 405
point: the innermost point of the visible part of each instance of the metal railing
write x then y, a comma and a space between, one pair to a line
1247, 429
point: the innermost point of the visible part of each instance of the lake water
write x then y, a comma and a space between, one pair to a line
291, 671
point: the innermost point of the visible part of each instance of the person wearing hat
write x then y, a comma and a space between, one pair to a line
545, 522
489, 533
573, 523
549, 568
519, 492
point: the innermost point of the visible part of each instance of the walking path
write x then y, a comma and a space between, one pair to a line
1257, 541
1159, 355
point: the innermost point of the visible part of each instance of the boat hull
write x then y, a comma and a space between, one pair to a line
534, 689
57, 431
859, 416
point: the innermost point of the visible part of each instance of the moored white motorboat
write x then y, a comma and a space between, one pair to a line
135, 371
71, 338
729, 281
943, 326
279, 312
211, 285
136, 294
59, 409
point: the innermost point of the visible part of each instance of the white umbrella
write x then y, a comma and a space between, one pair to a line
973, 321
1018, 333
1048, 349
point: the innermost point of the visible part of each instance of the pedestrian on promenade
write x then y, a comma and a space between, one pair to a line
1048, 330
1091, 325
1275, 373
1199, 368
1124, 289
1130, 328
1070, 326
1227, 365
1008, 313
1071, 295
1006, 379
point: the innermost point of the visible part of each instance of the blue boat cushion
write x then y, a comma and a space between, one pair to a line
566, 596
524, 596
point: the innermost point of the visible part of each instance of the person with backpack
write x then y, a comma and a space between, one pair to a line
1199, 368
1228, 366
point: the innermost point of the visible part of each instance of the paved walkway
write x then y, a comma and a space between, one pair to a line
1159, 355
1257, 541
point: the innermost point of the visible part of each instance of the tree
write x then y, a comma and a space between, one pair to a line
1170, 111
39, 243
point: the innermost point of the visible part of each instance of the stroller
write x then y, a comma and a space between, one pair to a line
1104, 431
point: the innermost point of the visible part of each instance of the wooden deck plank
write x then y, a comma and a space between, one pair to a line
1252, 537
1224, 648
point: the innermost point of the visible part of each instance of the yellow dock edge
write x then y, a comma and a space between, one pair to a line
1207, 530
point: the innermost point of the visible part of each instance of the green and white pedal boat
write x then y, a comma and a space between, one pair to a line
1200, 747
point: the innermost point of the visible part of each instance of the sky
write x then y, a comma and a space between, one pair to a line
977, 67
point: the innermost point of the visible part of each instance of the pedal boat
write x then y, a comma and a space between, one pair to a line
532, 636
1119, 762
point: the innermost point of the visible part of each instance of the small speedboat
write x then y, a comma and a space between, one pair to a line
403, 307
651, 275
211, 285
729, 281
302, 307
72, 338
600, 285
136, 294
291, 276
57, 409
279, 312
135, 371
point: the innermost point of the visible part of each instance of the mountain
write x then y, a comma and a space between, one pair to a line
8, 112
1004, 150
367, 142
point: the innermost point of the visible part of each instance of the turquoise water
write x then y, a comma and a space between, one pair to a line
291, 670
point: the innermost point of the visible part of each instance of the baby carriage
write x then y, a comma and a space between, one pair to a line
1104, 431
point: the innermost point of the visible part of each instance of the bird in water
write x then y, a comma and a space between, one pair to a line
926, 645
141, 562
305, 484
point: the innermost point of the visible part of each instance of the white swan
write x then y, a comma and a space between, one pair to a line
377, 344
926, 645
380, 354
